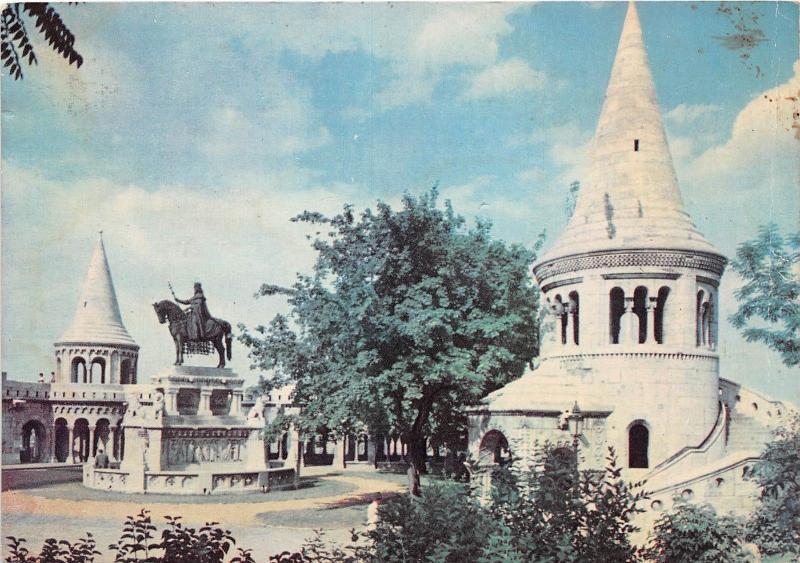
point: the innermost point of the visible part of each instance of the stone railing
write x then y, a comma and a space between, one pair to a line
189, 483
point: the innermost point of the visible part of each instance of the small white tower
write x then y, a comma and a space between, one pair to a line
96, 348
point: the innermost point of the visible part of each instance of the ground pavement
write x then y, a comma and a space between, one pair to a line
334, 501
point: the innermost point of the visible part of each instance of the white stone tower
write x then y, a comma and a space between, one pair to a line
631, 281
631, 287
96, 348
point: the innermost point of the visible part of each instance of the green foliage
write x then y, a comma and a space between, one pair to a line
136, 539
407, 318
17, 48
695, 534
560, 514
179, 544
209, 544
444, 524
53, 551
774, 526
769, 300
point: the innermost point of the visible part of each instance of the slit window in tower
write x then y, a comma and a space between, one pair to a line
636, 145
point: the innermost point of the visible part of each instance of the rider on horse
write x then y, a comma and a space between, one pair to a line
197, 316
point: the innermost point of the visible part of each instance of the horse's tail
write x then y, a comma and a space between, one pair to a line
228, 341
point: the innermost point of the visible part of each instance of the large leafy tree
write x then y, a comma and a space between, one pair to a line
17, 45
408, 317
769, 299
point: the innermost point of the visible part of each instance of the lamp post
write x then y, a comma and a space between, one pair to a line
575, 424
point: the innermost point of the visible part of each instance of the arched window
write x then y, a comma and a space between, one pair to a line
78, 371
98, 374
33, 442
638, 438
661, 305
699, 317
125, 372
704, 314
640, 310
494, 448
574, 311
561, 313
616, 301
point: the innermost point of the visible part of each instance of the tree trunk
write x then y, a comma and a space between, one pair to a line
417, 445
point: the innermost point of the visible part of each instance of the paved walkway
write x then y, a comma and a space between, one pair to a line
230, 513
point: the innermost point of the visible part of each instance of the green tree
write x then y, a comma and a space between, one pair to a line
774, 525
407, 318
17, 47
769, 300
693, 533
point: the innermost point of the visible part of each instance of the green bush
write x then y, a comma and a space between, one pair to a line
774, 525
695, 534
557, 513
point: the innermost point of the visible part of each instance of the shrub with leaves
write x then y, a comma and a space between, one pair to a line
557, 513
774, 526
610, 504
136, 539
693, 533
54, 551
209, 544
444, 524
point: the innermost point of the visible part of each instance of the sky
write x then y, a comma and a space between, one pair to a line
194, 132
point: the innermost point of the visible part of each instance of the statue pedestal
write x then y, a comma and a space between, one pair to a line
185, 434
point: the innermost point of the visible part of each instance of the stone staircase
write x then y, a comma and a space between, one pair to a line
747, 433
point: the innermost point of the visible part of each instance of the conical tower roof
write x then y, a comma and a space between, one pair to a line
97, 318
629, 196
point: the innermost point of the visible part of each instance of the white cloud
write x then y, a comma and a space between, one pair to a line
230, 239
685, 114
512, 76
753, 175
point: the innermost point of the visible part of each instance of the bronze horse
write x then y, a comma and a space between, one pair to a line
216, 331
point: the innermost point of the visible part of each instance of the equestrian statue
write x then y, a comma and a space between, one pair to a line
194, 329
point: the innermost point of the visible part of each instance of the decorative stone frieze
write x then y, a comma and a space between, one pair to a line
666, 258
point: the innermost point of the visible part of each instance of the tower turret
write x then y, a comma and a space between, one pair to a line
631, 283
96, 348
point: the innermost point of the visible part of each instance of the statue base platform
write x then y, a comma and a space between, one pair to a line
197, 375
186, 434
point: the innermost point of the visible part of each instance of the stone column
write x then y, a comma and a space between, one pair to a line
236, 403
90, 455
628, 327
650, 337
205, 402
171, 401
53, 445
111, 451
567, 318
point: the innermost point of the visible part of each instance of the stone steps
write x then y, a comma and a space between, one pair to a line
747, 433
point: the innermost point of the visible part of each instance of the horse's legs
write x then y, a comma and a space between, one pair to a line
220, 350
178, 349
